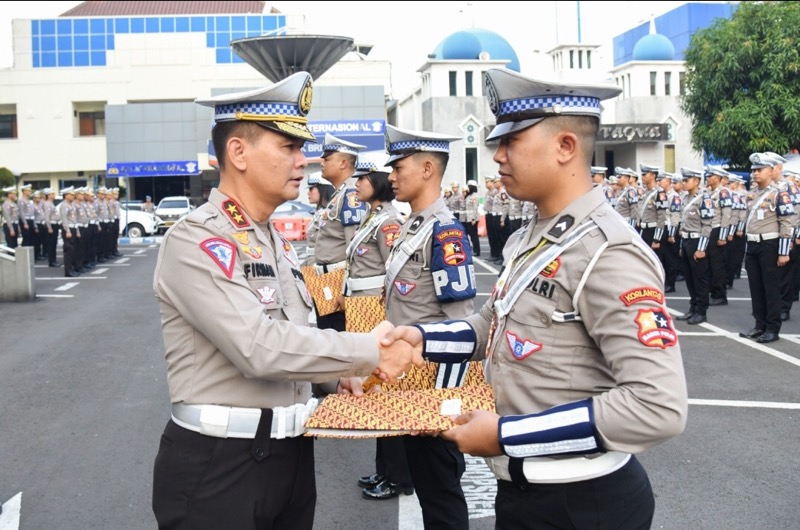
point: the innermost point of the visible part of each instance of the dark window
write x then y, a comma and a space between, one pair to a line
8, 126
471, 163
453, 83
667, 83
653, 83
572, 59
468, 82
92, 123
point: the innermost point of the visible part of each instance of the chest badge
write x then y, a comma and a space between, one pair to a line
521, 348
222, 252
404, 287
266, 295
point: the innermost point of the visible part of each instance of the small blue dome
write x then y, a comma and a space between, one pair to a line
468, 45
654, 47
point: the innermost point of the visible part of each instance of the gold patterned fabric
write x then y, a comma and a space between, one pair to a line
362, 313
425, 377
324, 288
396, 413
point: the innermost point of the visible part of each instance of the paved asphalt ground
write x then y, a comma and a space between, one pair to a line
83, 401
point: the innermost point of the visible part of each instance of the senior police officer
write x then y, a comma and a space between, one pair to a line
697, 212
580, 364
769, 235
234, 313
342, 216
11, 217
429, 276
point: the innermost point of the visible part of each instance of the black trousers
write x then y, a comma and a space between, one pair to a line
761, 263
51, 243
391, 461
205, 482
696, 274
718, 266
70, 250
622, 500
332, 321
672, 260
788, 274
11, 241
39, 240
472, 232
493, 233
436, 468
736, 248
28, 231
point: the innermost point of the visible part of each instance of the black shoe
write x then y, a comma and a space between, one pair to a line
370, 481
670, 289
767, 336
55, 264
729, 285
81, 270
679, 278
386, 490
685, 316
72, 274
718, 301
697, 318
752, 334
117, 255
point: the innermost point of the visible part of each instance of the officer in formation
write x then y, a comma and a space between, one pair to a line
672, 247
52, 226
651, 210
430, 276
456, 201
342, 216
567, 424
697, 213
514, 215
11, 229
790, 288
320, 192
600, 179
736, 240
27, 216
627, 197
365, 274
787, 272
71, 235
718, 240
472, 216
40, 233
112, 198
497, 215
769, 232
239, 352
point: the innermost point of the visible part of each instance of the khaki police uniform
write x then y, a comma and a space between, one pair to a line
52, 221
10, 218
672, 260
40, 235
472, 217
697, 212
736, 239
27, 216
585, 371
69, 228
718, 240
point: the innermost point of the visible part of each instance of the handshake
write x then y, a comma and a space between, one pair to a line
400, 348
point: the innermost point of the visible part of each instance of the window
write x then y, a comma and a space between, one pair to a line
8, 126
681, 83
623, 86
580, 59
471, 163
589, 59
92, 123
630, 86
667, 83
468, 82
669, 158
453, 80
653, 76
572, 59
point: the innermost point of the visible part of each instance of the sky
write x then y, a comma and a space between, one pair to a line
406, 32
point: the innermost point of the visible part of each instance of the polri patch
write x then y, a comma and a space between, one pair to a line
404, 287
642, 294
222, 252
655, 328
521, 348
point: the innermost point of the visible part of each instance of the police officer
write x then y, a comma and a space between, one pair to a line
769, 235
365, 273
320, 192
627, 198
429, 276
500, 204
52, 226
342, 216
40, 234
71, 235
672, 259
736, 240
114, 213
652, 209
718, 240
787, 272
472, 216
600, 180
11, 217
455, 200
27, 216
493, 232
697, 212
234, 313
583, 361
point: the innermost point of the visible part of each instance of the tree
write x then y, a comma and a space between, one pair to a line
7, 178
743, 83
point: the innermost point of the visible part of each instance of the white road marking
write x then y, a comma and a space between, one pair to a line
66, 286
77, 279
409, 513
730, 299
100, 271
9, 519
140, 251
480, 488
122, 260
55, 296
745, 404
752, 344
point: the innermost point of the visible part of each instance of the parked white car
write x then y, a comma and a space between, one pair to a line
135, 223
170, 209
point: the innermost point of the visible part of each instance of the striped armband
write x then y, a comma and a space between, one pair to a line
740, 226
672, 231
451, 341
659, 233
702, 244
723, 233
732, 230
784, 245
567, 429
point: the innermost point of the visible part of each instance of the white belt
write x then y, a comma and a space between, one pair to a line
690, 235
763, 237
235, 422
543, 470
363, 284
92, 222
330, 267
648, 225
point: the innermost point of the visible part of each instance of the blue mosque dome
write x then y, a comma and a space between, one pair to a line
654, 47
469, 44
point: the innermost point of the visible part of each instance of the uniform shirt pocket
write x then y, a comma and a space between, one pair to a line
529, 336
268, 292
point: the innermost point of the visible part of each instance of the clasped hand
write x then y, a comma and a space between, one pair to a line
399, 350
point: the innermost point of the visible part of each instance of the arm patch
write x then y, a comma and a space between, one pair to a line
451, 263
353, 210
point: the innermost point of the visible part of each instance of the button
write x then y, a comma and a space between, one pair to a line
360, 373
544, 319
286, 302
259, 452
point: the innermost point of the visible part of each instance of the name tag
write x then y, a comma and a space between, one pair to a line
760, 214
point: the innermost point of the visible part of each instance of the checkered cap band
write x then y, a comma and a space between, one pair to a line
366, 166
552, 103
228, 112
340, 148
420, 145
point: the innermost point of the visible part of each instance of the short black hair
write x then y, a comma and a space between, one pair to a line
380, 184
